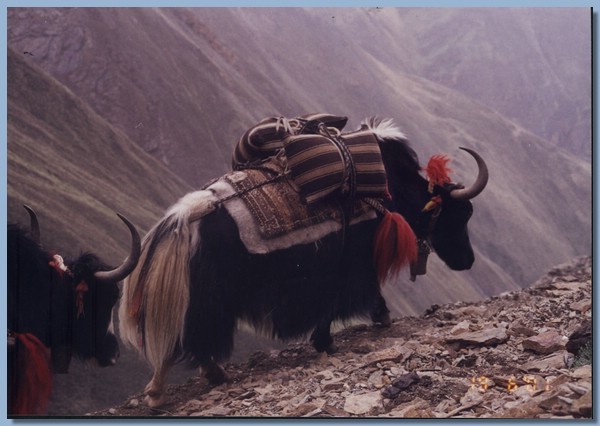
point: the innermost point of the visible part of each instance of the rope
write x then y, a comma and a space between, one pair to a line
220, 201
258, 185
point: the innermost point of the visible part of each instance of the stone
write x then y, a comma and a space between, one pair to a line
583, 372
334, 411
413, 409
362, 403
519, 330
336, 362
461, 327
545, 343
303, 409
395, 353
376, 379
215, 412
264, 390
474, 311
555, 361
583, 405
581, 305
570, 286
487, 337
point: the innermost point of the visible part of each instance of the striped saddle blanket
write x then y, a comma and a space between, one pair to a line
320, 159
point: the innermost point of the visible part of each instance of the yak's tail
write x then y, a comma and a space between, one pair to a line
156, 294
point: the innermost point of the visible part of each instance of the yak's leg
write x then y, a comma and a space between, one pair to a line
214, 373
155, 389
380, 313
321, 338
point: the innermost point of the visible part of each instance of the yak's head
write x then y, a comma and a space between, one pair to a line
90, 295
437, 209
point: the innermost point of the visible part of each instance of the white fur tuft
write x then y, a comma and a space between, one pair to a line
384, 129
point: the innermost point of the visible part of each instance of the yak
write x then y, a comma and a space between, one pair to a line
197, 278
57, 309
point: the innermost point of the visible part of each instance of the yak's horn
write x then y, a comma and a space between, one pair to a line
34, 227
129, 263
478, 185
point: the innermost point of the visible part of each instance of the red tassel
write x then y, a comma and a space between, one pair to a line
395, 245
437, 170
33, 377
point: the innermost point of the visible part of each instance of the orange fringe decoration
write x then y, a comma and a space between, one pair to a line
437, 170
33, 377
395, 245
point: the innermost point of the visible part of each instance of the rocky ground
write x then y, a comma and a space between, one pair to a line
518, 355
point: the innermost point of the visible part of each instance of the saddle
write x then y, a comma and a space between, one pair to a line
296, 181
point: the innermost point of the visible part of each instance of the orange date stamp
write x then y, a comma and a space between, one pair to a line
531, 383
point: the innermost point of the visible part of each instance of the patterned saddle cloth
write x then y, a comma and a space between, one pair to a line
270, 212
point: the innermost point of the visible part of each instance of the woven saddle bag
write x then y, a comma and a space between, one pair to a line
321, 160
348, 164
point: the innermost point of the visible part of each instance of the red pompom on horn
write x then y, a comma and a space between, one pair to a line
437, 170
395, 245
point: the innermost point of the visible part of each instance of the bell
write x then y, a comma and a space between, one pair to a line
419, 267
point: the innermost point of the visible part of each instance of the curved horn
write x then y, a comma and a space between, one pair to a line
129, 263
478, 185
34, 224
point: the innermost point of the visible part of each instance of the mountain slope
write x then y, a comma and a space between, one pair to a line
184, 84
533, 65
76, 170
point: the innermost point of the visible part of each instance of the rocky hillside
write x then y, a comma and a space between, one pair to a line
521, 354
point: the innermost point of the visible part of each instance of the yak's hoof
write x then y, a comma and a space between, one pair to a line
154, 401
383, 319
331, 349
215, 375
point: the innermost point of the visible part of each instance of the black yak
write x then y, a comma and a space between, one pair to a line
204, 268
56, 309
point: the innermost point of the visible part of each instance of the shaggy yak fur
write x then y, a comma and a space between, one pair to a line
196, 279
55, 310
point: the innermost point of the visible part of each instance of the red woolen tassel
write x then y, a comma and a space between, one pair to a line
437, 170
33, 379
395, 245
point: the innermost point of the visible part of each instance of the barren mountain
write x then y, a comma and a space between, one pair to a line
76, 170
184, 84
